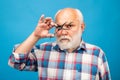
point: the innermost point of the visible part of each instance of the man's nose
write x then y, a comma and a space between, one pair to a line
64, 32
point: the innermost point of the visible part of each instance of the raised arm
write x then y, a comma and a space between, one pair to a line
23, 58
41, 31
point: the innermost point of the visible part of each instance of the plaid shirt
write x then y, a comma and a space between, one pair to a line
87, 62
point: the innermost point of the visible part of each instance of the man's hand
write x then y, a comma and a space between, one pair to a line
41, 31
43, 27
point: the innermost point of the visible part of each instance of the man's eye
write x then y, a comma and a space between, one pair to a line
69, 26
58, 27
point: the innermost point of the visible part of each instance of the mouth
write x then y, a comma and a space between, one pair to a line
64, 39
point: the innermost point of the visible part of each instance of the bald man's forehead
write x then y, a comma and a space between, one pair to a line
67, 12
66, 17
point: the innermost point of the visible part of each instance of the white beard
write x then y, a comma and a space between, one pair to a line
71, 43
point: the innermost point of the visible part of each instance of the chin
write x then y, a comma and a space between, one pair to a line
65, 45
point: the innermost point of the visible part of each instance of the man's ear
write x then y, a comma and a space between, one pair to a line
83, 26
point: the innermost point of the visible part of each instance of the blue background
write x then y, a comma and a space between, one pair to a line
18, 18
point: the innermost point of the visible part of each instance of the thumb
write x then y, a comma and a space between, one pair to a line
50, 35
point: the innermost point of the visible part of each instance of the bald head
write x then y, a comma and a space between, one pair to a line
67, 13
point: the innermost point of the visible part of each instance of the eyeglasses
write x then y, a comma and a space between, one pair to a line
64, 26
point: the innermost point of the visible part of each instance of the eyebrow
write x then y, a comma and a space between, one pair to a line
61, 25
70, 23
64, 24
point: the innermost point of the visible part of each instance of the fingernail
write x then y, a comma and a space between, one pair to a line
52, 35
52, 23
42, 15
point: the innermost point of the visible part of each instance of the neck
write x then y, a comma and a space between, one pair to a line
71, 50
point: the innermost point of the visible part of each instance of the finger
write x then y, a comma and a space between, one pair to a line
50, 35
53, 24
48, 23
48, 19
43, 25
41, 18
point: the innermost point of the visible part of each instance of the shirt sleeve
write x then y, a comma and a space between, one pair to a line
104, 72
21, 61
